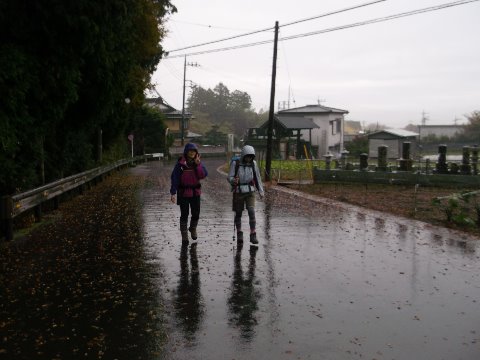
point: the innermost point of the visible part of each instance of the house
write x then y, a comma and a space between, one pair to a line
394, 139
439, 130
351, 130
327, 136
173, 118
287, 138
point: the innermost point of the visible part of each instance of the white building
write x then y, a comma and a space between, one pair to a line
328, 137
439, 130
393, 139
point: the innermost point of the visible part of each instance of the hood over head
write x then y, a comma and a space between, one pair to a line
247, 150
188, 147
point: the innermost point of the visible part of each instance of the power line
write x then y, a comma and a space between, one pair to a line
383, 19
217, 41
332, 13
208, 26
221, 49
357, 24
270, 28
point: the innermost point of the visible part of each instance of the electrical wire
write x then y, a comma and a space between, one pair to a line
209, 26
271, 28
383, 19
357, 24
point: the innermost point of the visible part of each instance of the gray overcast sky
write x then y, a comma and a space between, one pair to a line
388, 72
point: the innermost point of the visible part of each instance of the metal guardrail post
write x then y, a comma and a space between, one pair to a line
6, 216
38, 213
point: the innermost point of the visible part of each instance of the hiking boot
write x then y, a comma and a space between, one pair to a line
253, 239
193, 232
184, 232
184, 237
239, 237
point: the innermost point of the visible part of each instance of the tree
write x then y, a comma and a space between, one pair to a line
411, 127
221, 107
215, 137
358, 145
472, 129
149, 131
66, 68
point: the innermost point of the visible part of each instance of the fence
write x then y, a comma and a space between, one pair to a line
12, 206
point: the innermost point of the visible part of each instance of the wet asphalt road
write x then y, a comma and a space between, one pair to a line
328, 281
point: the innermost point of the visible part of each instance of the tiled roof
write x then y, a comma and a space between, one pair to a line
396, 132
297, 122
161, 105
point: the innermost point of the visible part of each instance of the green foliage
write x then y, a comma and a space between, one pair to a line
357, 146
215, 137
292, 169
66, 69
116, 151
228, 110
149, 130
472, 129
461, 209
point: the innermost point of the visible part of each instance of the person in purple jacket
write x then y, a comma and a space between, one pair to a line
186, 187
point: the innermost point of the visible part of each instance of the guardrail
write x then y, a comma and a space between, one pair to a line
14, 205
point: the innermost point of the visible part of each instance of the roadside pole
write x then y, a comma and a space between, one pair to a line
268, 162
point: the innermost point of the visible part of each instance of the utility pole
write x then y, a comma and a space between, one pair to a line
288, 104
424, 118
268, 164
183, 99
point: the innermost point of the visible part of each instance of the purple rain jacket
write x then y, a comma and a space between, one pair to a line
186, 175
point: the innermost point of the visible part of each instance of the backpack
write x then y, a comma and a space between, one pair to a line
237, 165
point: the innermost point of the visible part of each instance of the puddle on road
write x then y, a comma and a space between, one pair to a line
324, 283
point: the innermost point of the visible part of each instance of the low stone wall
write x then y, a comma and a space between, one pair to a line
399, 177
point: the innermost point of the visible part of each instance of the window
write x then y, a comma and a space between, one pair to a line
336, 126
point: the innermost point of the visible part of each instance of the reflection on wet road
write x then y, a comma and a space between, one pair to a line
244, 296
326, 282
188, 298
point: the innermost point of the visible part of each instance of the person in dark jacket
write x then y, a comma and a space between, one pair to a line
185, 189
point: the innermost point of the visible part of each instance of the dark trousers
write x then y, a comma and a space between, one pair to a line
188, 204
